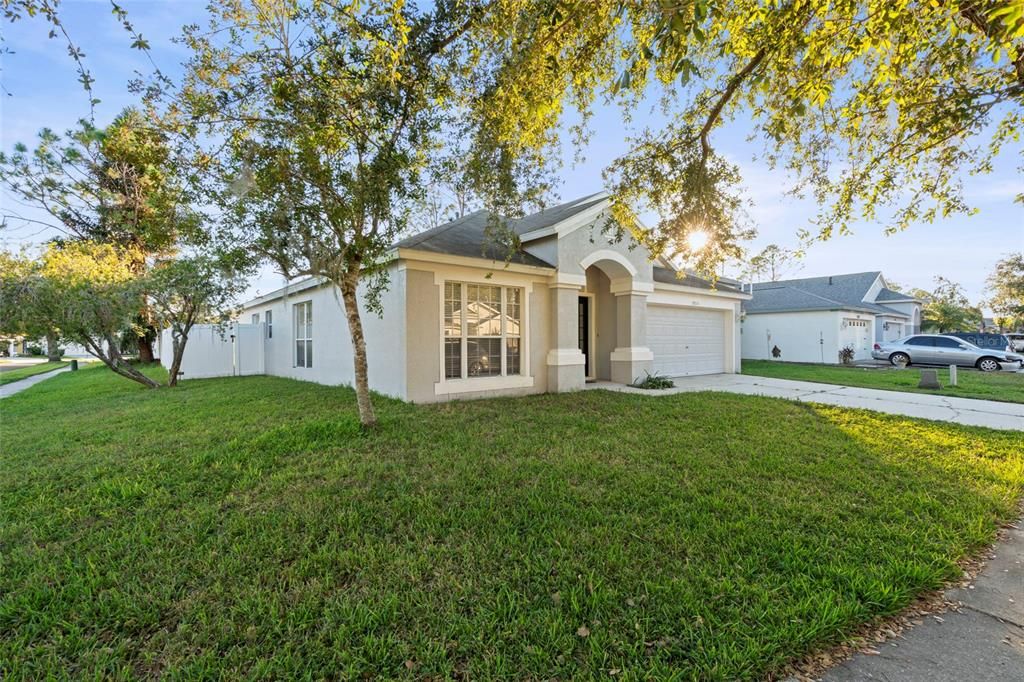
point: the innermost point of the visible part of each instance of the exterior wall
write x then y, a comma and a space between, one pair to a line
586, 241
424, 318
801, 336
332, 347
908, 308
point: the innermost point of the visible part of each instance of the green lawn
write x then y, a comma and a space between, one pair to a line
28, 371
243, 528
1005, 386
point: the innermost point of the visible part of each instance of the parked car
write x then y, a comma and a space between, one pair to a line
1016, 342
983, 340
942, 349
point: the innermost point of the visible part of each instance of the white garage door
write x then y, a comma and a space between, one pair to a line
686, 341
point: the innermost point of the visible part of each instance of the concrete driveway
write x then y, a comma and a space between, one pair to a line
967, 411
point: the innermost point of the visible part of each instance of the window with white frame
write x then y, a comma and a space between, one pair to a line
302, 313
482, 330
255, 318
269, 316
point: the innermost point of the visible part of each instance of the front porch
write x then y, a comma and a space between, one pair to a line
599, 324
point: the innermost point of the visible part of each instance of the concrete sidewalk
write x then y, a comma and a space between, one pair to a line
982, 641
967, 411
28, 382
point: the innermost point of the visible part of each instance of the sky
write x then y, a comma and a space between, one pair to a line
40, 90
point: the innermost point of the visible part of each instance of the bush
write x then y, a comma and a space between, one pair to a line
653, 382
34, 349
846, 355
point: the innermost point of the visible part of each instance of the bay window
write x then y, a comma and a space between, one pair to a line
482, 330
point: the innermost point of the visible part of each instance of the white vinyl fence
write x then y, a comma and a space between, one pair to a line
217, 351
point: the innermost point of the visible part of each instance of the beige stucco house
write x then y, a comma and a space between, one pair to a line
460, 320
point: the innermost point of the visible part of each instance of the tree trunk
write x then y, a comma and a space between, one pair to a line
112, 359
52, 348
145, 350
349, 289
178, 339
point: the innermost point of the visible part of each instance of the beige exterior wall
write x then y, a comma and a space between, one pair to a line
424, 318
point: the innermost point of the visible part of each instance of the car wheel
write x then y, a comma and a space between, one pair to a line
897, 359
988, 365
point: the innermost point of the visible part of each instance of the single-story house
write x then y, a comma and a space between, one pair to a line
462, 320
812, 319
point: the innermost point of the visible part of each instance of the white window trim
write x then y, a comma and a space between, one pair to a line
295, 337
269, 317
524, 379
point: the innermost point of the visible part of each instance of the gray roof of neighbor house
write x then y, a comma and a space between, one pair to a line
890, 295
475, 234
835, 292
689, 279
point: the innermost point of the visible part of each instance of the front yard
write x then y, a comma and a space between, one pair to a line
1004, 386
243, 528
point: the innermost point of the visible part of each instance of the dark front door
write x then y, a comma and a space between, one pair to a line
584, 332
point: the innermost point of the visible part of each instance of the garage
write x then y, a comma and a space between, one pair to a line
686, 341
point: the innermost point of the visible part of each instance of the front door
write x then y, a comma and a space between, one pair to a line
584, 332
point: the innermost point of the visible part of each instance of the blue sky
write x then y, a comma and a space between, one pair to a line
41, 90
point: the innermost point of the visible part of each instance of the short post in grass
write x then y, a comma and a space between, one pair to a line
952, 375
929, 379
74, 365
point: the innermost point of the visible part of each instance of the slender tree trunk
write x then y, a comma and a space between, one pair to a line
349, 290
52, 349
179, 339
112, 359
146, 354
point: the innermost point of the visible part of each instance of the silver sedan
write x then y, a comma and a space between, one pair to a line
938, 349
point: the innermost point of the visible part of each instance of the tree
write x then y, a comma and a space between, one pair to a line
773, 262
1007, 284
87, 290
875, 107
117, 186
190, 290
946, 308
329, 114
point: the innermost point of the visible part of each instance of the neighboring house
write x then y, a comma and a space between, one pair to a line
812, 319
459, 321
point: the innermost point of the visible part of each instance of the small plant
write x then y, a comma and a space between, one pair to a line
653, 382
846, 355
34, 349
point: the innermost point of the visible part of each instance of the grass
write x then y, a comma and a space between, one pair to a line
28, 371
243, 528
1003, 386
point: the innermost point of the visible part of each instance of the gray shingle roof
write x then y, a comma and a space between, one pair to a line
836, 292
470, 236
467, 236
689, 279
890, 295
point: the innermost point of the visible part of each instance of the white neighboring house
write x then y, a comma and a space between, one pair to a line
459, 321
812, 319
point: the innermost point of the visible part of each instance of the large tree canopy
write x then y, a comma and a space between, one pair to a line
877, 108
325, 120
